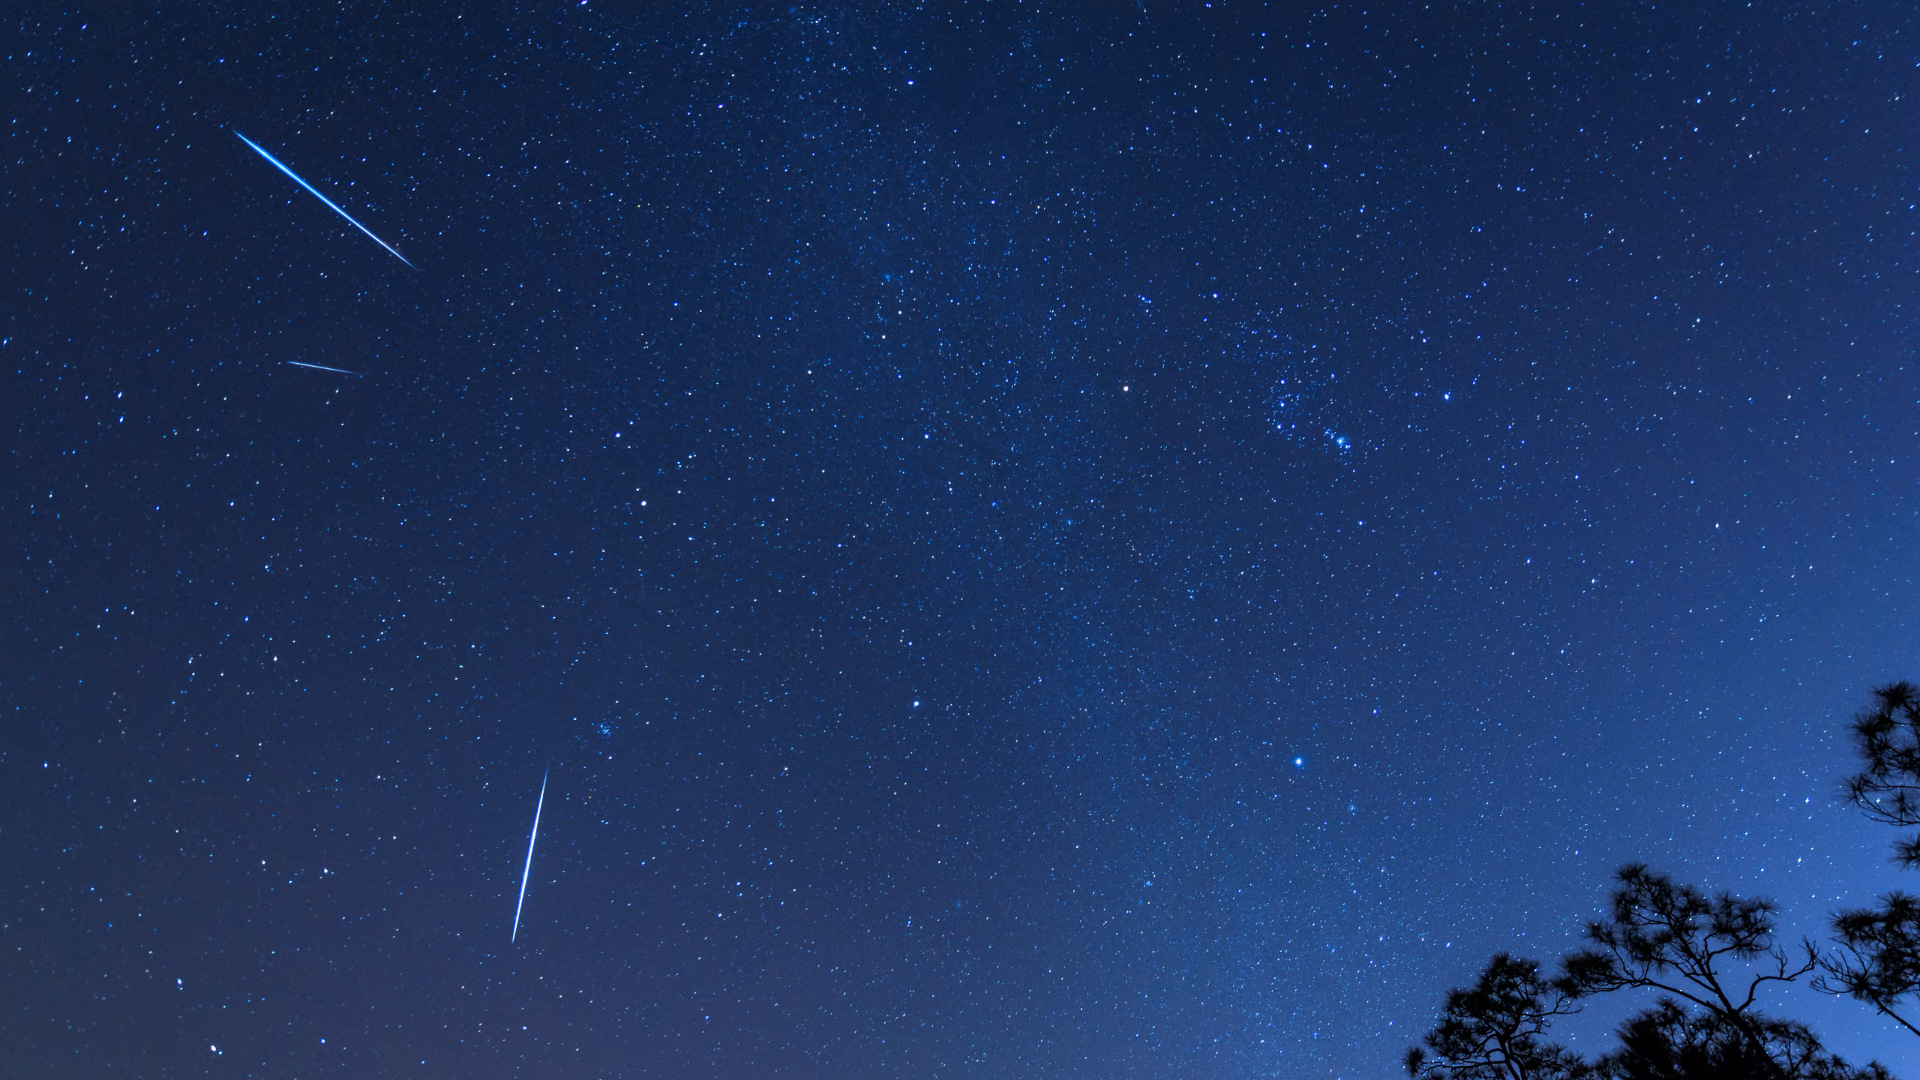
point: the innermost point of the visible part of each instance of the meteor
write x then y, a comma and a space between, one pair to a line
335, 207
531, 837
320, 367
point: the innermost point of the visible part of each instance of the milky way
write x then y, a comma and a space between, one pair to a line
1143, 543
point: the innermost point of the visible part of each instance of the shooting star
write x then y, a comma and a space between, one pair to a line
320, 367
335, 207
531, 837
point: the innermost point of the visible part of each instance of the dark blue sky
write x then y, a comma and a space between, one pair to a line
1144, 542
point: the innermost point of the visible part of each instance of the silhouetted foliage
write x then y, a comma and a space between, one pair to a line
1880, 958
1677, 940
1673, 938
1670, 1042
1887, 737
1493, 1030
1881, 962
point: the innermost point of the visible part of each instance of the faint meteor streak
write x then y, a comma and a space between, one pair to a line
320, 367
335, 207
531, 837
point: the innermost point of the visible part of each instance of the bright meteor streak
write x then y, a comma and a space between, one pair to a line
320, 367
531, 837
335, 207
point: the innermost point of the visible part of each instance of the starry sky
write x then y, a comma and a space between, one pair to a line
1120, 541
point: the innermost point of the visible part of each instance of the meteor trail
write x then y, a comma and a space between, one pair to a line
258, 149
531, 837
320, 367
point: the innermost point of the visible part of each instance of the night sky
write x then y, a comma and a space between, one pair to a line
1114, 542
